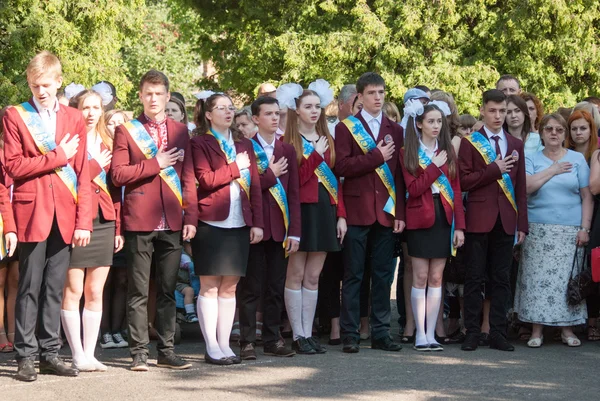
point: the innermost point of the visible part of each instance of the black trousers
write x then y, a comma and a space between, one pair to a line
491, 251
380, 241
330, 288
166, 247
267, 268
42, 274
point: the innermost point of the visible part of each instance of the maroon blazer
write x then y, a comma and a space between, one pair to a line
146, 194
272, 216
309, 182
110, 205
38, 193
420, 210
486, 199
364, 192
6, 210
214, 175
4, 177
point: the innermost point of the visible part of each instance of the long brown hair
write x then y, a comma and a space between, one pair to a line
203, 124
101, 128
522, 105
453, 119
292, 132
411, 142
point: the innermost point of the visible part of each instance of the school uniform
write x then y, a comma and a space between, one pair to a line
49, 205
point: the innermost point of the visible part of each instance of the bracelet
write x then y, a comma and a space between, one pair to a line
587, 230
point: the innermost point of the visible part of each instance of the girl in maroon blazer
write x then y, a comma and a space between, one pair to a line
89, 266
230, 219
434, 212
323, 214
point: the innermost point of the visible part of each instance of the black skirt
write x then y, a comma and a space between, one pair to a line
100, 250
319, 225
220, 251
432, 242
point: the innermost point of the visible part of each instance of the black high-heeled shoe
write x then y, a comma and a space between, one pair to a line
408, 339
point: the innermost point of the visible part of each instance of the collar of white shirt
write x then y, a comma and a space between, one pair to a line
368, 118
41, 108
264, 143
490, 133
427, 150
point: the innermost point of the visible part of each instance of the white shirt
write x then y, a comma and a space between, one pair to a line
235, 219
94, 141
268, 148
331, 127
48, 116
373, 122
430, 153
501, 142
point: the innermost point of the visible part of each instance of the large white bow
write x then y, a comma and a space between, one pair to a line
73, 90
105, 92
443, 106
287, 95
204, 94
413, 108
323, 89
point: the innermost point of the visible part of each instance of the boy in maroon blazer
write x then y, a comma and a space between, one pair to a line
492, 171
152, 160
367, 148
267, 264
45, 154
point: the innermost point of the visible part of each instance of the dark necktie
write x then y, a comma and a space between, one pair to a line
497, 139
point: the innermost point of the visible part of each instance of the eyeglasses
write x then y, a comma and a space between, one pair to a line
559, 130
223, 108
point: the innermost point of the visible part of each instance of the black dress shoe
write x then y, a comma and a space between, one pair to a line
471, 342
498, 341
236, 360
334, 341
303, 347
436, 347
422, 348
351, 345
406, 339
26, 371
484, 340
213, 361
55, 366
316, 344
385, 344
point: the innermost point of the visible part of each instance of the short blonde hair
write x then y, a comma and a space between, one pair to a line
44, 64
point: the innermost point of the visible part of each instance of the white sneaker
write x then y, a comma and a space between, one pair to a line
106, 341
119, 341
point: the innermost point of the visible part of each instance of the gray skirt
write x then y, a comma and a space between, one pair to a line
100, 250
546, 262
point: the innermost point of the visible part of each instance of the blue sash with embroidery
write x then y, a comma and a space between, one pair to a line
45, 143
446, 191
146, 144
322, 171
230, 154
276, 190
367, 144
100, 179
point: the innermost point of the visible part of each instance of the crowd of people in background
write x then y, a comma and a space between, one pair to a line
288, 218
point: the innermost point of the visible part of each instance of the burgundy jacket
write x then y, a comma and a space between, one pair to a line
214, 175
486, 199
110, 205
364, 192
146, 193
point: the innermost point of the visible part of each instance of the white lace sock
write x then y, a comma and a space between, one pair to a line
417, 298
208, 313
71, 322
309, 306
225, 323
293, 306
434, 298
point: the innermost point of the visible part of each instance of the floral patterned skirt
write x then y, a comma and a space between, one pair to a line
541, 294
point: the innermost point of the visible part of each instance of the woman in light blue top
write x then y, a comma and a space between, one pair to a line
559, 208
519, 124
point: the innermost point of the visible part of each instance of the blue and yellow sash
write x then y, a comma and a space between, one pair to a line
230, 154
488, 153
367, 144
276, 190
100, 179
322, 171
446, 191
146, 144
45, 143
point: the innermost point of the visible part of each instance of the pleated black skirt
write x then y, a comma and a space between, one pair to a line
100, 250
220, 251
319, 225
432, 242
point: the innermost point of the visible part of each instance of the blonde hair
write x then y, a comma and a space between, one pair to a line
44, 64
111, 113
101, 128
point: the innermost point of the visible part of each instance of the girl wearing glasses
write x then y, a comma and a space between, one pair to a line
230, 219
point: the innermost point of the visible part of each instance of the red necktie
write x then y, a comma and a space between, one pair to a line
497, 139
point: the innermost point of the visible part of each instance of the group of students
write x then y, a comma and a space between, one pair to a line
261, 212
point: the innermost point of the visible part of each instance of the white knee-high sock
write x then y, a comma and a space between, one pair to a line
434, 297
293, 306
208, 313
309, 306
91, 326
72, 325
225, 323
417, 298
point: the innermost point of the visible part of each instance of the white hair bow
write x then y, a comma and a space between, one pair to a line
287, 95
443, 106
204, 94
413, 108
105, 92
323, 89
73, 90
